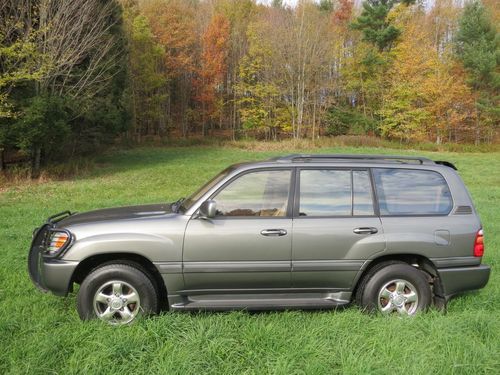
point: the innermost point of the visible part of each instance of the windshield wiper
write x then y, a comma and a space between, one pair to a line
177, 204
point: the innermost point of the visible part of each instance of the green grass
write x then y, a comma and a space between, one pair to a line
42, 333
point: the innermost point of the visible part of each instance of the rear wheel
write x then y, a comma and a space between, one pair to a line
117, 294
395, 289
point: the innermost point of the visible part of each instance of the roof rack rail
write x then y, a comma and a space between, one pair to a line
394, 158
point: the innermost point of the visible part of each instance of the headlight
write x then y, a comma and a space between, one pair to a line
57, 241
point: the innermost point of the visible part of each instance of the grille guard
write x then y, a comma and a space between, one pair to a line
35, 256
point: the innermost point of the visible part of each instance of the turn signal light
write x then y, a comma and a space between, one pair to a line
479, 244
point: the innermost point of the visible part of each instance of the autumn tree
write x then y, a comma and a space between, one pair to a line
427, 97
213, 69
240, 14
300, 52
261, 106
148, 81
173, 25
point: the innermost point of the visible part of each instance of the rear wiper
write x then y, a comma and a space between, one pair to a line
177, 204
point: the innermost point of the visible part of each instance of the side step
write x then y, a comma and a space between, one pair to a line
263, 303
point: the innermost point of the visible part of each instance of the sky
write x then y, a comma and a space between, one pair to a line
287, 2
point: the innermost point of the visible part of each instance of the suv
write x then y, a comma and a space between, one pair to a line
395, 234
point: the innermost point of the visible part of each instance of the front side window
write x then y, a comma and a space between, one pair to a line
193, 198
329, 192
412, 192
262, 193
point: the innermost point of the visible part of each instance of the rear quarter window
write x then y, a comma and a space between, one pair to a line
412, 192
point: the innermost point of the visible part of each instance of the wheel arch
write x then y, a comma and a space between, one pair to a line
416, 260
87, 265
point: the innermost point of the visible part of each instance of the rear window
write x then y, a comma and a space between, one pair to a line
412, 192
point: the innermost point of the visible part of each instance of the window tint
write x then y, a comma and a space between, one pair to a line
325, 193
263, 193
407, 192
362, 198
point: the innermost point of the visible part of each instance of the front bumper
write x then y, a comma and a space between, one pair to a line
56, 276
462, 279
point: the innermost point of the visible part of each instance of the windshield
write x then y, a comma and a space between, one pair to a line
193, 198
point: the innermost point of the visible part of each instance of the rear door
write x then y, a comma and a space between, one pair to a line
335, 227
415, 206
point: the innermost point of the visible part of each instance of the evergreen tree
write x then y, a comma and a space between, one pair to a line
478, 47
373, 22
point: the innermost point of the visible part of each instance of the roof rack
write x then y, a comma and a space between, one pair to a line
393, 158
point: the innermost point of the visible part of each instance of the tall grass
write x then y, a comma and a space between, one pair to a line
41, 333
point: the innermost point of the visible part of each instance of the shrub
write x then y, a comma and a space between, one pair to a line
342, 121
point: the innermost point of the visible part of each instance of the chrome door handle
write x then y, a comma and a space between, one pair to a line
365, 230
273, 232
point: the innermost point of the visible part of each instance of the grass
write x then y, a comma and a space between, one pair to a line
42, 334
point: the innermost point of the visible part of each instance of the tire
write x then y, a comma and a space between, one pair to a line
117, 294
394, 288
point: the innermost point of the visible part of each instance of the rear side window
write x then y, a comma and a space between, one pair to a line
412, 192
329, 192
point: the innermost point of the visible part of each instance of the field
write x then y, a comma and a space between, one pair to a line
41, 334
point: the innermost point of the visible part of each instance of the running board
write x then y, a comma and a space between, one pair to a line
263, 303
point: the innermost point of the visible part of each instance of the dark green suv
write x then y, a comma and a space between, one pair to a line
392, 233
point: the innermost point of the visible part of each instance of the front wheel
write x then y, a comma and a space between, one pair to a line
116, 294
395, 289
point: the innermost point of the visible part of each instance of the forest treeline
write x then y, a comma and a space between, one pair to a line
76, 75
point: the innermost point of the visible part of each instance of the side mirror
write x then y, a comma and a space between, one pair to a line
207, 209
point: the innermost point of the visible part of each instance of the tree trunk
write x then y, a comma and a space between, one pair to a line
35, 162
2, 160
313, 120
477, 140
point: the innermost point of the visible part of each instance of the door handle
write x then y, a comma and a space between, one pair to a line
365, 230
273, 232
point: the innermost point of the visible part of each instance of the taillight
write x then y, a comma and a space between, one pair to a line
57, 241
479, 244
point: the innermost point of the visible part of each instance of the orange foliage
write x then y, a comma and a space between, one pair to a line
342, 15
213, 69
173, 24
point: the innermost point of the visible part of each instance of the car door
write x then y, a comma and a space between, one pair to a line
414, 209
335, 227
247, 245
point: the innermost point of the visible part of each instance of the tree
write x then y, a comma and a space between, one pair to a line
478, 47
299, 56
173, 25
260, 102
426, 97
240, 14
44, 123
375, 25
65, 49
18, 60
148, 81
213, 70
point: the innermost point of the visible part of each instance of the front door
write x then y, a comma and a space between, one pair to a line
335, 227
248, 244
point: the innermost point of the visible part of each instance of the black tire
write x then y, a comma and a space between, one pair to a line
384, 279
134, 281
